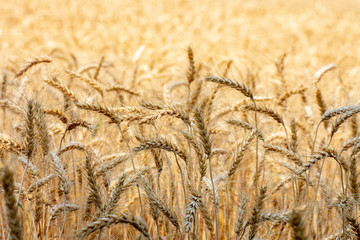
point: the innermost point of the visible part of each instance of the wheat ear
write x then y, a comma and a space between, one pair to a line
88, 67
59, 168
95, 192
194, 97
3, 87
191, 209
201, 157
32, 63
118, 88
297, 225
294, 138
66, 92
355, 226
290, 154
241, 152
288, 94
114, 117
354, 186
240, 223
77, 123
350, 143
246, 126
118, 160
71, 146
93, 83
122, 185
13, 220
330, 114
321, 104
41, 182
161, 143
233, 84
159, 204
191, 70
11, 145
58, 209
112, 219
205, 139
29, 140
279, 64
205, 213
57, 113
42, 128
248, 93
255, 217
5, 103
338, 122
102, 110
321, 72
172, 111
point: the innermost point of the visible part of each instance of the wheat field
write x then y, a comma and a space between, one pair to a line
179, 119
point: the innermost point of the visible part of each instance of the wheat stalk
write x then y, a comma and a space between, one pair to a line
290, 154
98, 68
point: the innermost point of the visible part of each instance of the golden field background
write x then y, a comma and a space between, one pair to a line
144, 46
251, 33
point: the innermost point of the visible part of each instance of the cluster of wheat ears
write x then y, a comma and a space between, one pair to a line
181, 165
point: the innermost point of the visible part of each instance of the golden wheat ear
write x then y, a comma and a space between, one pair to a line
31, 64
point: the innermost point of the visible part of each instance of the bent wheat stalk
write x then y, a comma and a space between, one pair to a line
112, 219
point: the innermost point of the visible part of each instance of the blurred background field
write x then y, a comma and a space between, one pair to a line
251, 33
